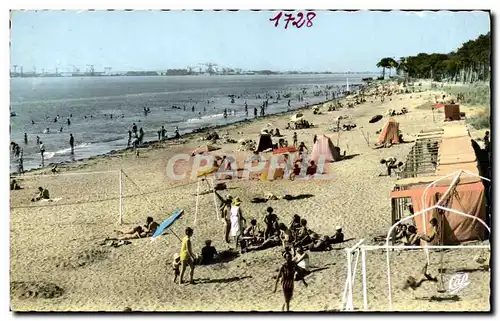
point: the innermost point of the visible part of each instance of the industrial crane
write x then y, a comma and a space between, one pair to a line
90, 70
210, 67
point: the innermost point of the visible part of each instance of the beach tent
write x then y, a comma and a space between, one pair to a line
297, 117
265, 142
468, 195
390, 133
324, 147
204, 149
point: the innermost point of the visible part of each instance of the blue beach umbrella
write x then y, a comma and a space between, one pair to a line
167, 223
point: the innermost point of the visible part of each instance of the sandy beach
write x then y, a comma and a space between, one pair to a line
58, 243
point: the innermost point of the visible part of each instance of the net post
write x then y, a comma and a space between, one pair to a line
197, 201
349, 304
120, 218
363, 271
215, 200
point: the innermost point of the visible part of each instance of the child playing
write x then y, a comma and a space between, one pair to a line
176, 264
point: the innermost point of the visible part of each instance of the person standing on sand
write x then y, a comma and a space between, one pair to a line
236, 220
315, 138
487, 144
187, 256
163, 132
255, 112
42, 151
286, 275
72, 144
294, 139
129, 138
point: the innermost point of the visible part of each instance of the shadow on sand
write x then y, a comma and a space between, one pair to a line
228, 280
299, 197
347, 157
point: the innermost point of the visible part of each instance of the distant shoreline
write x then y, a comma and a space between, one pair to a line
190, 135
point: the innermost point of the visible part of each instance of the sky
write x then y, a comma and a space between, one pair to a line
160, 40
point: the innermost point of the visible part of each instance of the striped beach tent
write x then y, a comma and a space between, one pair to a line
325, 149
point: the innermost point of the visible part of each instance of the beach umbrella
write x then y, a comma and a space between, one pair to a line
284, 150
167, 223
297, 117
375, 119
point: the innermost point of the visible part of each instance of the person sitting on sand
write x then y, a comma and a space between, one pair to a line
323, 244
14, 186
253, 230
186, 256
303, 237
140, 231
338, 237
176, 264
390, 164
286, 275
295, 223
43, 193
312, 168
277, 133
412, 282
288, 126
410, 237
271, 222
302, 147
434, 234
208, 253
301, 259
286, 236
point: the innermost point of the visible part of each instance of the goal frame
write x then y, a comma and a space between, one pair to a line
347, 298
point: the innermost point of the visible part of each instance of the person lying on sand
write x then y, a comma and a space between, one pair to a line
286, 275
139, 231
176, 264
43, 193
338, 237
272, 241
413, 283
208, 253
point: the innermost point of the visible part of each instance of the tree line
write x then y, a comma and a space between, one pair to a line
469, 63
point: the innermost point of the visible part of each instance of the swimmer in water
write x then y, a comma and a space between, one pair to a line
60, 130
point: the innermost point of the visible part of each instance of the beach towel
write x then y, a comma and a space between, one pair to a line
51, 199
